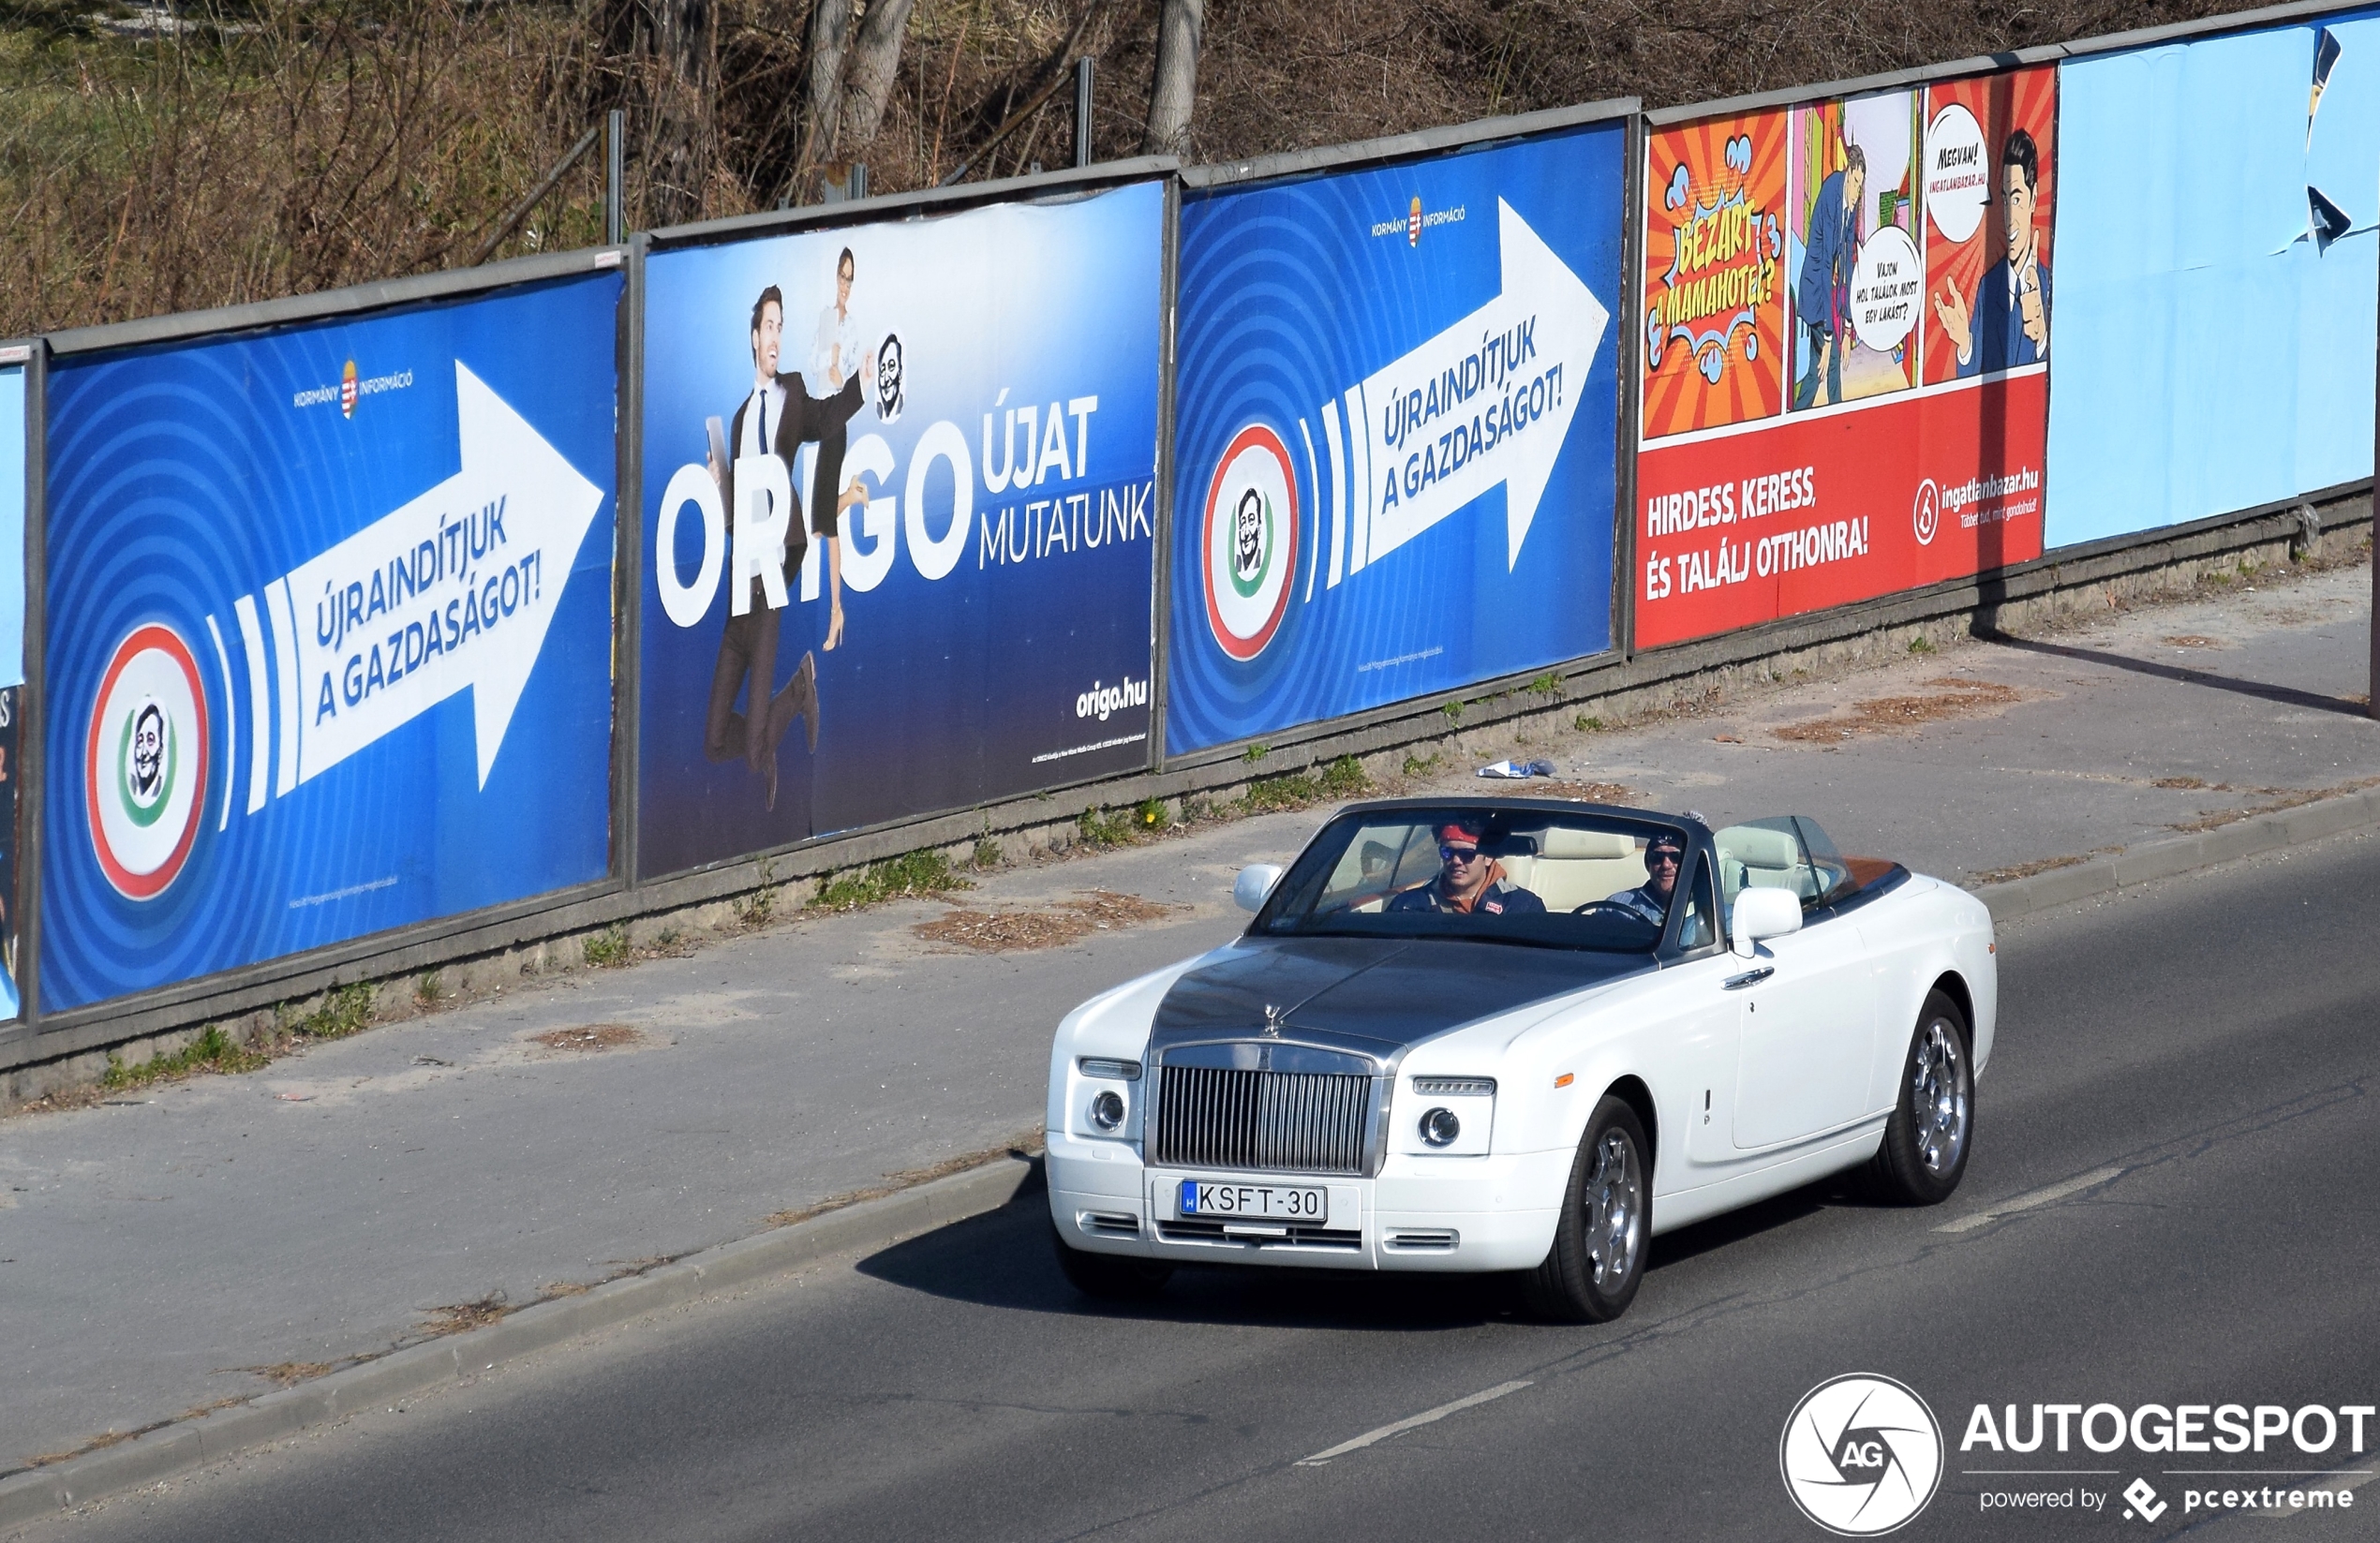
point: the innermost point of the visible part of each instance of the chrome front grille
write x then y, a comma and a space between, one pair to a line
1218, 1117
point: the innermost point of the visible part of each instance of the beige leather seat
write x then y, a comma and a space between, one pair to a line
1752, 857
1574, 866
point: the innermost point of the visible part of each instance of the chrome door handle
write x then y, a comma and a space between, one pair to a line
1750, 978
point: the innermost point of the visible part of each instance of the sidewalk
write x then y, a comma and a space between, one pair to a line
201, 1241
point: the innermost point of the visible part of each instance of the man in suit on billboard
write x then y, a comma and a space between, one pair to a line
2008, 325
1821, 301
777, 419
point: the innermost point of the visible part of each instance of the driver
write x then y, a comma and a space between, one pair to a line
1663, 857
1469, 881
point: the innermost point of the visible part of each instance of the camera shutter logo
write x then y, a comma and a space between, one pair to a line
1861, 1454
146, 761
1251, 542
1927, 513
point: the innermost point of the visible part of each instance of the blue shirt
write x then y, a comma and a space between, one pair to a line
1995, 338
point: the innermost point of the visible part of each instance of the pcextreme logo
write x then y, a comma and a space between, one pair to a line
1861, 1454
144, 763
1250, 542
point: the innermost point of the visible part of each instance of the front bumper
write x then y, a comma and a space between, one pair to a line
1420, 1213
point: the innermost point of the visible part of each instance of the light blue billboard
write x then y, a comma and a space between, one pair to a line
898, 520
2215, 247
1397, 418
329, 633
12, 442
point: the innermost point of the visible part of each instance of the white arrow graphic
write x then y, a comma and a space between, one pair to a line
457, 588
1489, 400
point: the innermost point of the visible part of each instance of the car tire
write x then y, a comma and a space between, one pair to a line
1109, 1277
1591, 1272
1932, 1127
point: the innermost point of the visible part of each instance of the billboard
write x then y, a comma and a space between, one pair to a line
12, 491
329, 633
900, 487
2217, 277
1847, 311
1394, 432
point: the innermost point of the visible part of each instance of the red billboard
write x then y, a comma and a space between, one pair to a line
1903, 341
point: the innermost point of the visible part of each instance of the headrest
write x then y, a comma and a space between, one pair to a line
1759, 847
1569, 841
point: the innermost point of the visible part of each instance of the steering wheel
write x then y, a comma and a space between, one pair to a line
1605, 908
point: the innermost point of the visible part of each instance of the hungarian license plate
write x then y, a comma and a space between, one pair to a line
1307, 1203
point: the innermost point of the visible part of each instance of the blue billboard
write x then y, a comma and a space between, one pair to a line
329, 633
1395, 431
898, 520
2217, 265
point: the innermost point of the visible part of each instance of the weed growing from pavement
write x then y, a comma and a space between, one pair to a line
1421, 765
1919, 645
1255, 752
345, 1010
608, 949
915, 873
987, 854
213, 1051
1454, 711
1548, 684
1101, 830
1149, 816
1585, 723
1342, 778
428, 989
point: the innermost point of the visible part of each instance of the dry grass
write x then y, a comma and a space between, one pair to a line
289, 1373
462, 1317
1951, 698
1556, 787
589, 1037
1017, 930
2190, 640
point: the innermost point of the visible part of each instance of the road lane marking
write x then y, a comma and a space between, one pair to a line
2027, 1202
1424, 1417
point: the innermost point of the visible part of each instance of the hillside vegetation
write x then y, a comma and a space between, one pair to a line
174, 159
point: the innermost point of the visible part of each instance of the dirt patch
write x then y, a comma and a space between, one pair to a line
1951, 698
2039, 865
289, 1373
2280, 799
2186, 783
1008, 932
589, 1036
2190, 640
462, 1317
1556, 787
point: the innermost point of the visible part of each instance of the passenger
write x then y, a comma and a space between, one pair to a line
1663, 857
1469, 881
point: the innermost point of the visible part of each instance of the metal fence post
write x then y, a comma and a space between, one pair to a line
1083, 67
615, 152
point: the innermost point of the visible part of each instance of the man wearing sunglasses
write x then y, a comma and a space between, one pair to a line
1469, 882
1664, 855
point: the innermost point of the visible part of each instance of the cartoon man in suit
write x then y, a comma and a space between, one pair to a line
1821, 301
777, 419
2008, 325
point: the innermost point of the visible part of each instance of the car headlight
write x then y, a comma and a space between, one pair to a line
1106, 1109
1439, 1127
1456, 1086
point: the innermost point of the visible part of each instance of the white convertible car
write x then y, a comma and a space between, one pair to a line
1520, 1034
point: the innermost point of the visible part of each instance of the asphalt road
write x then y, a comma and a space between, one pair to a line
2211, 1040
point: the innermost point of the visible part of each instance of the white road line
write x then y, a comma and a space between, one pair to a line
2027, 1202
1424, 1417
2293, 1510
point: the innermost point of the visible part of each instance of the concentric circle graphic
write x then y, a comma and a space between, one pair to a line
144, 766
1251, 542
1861, 1454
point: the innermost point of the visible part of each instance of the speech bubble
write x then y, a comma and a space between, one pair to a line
1887, 283
1957, 173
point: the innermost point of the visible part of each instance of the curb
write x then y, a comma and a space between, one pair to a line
2181, 854
185, 1445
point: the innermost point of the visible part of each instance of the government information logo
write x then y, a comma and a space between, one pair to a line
145, 766
1251, 542
1861, 1454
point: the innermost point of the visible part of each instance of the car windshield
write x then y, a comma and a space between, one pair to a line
1496, 874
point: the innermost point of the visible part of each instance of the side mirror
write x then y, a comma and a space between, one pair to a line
1254, 882
1763, 914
